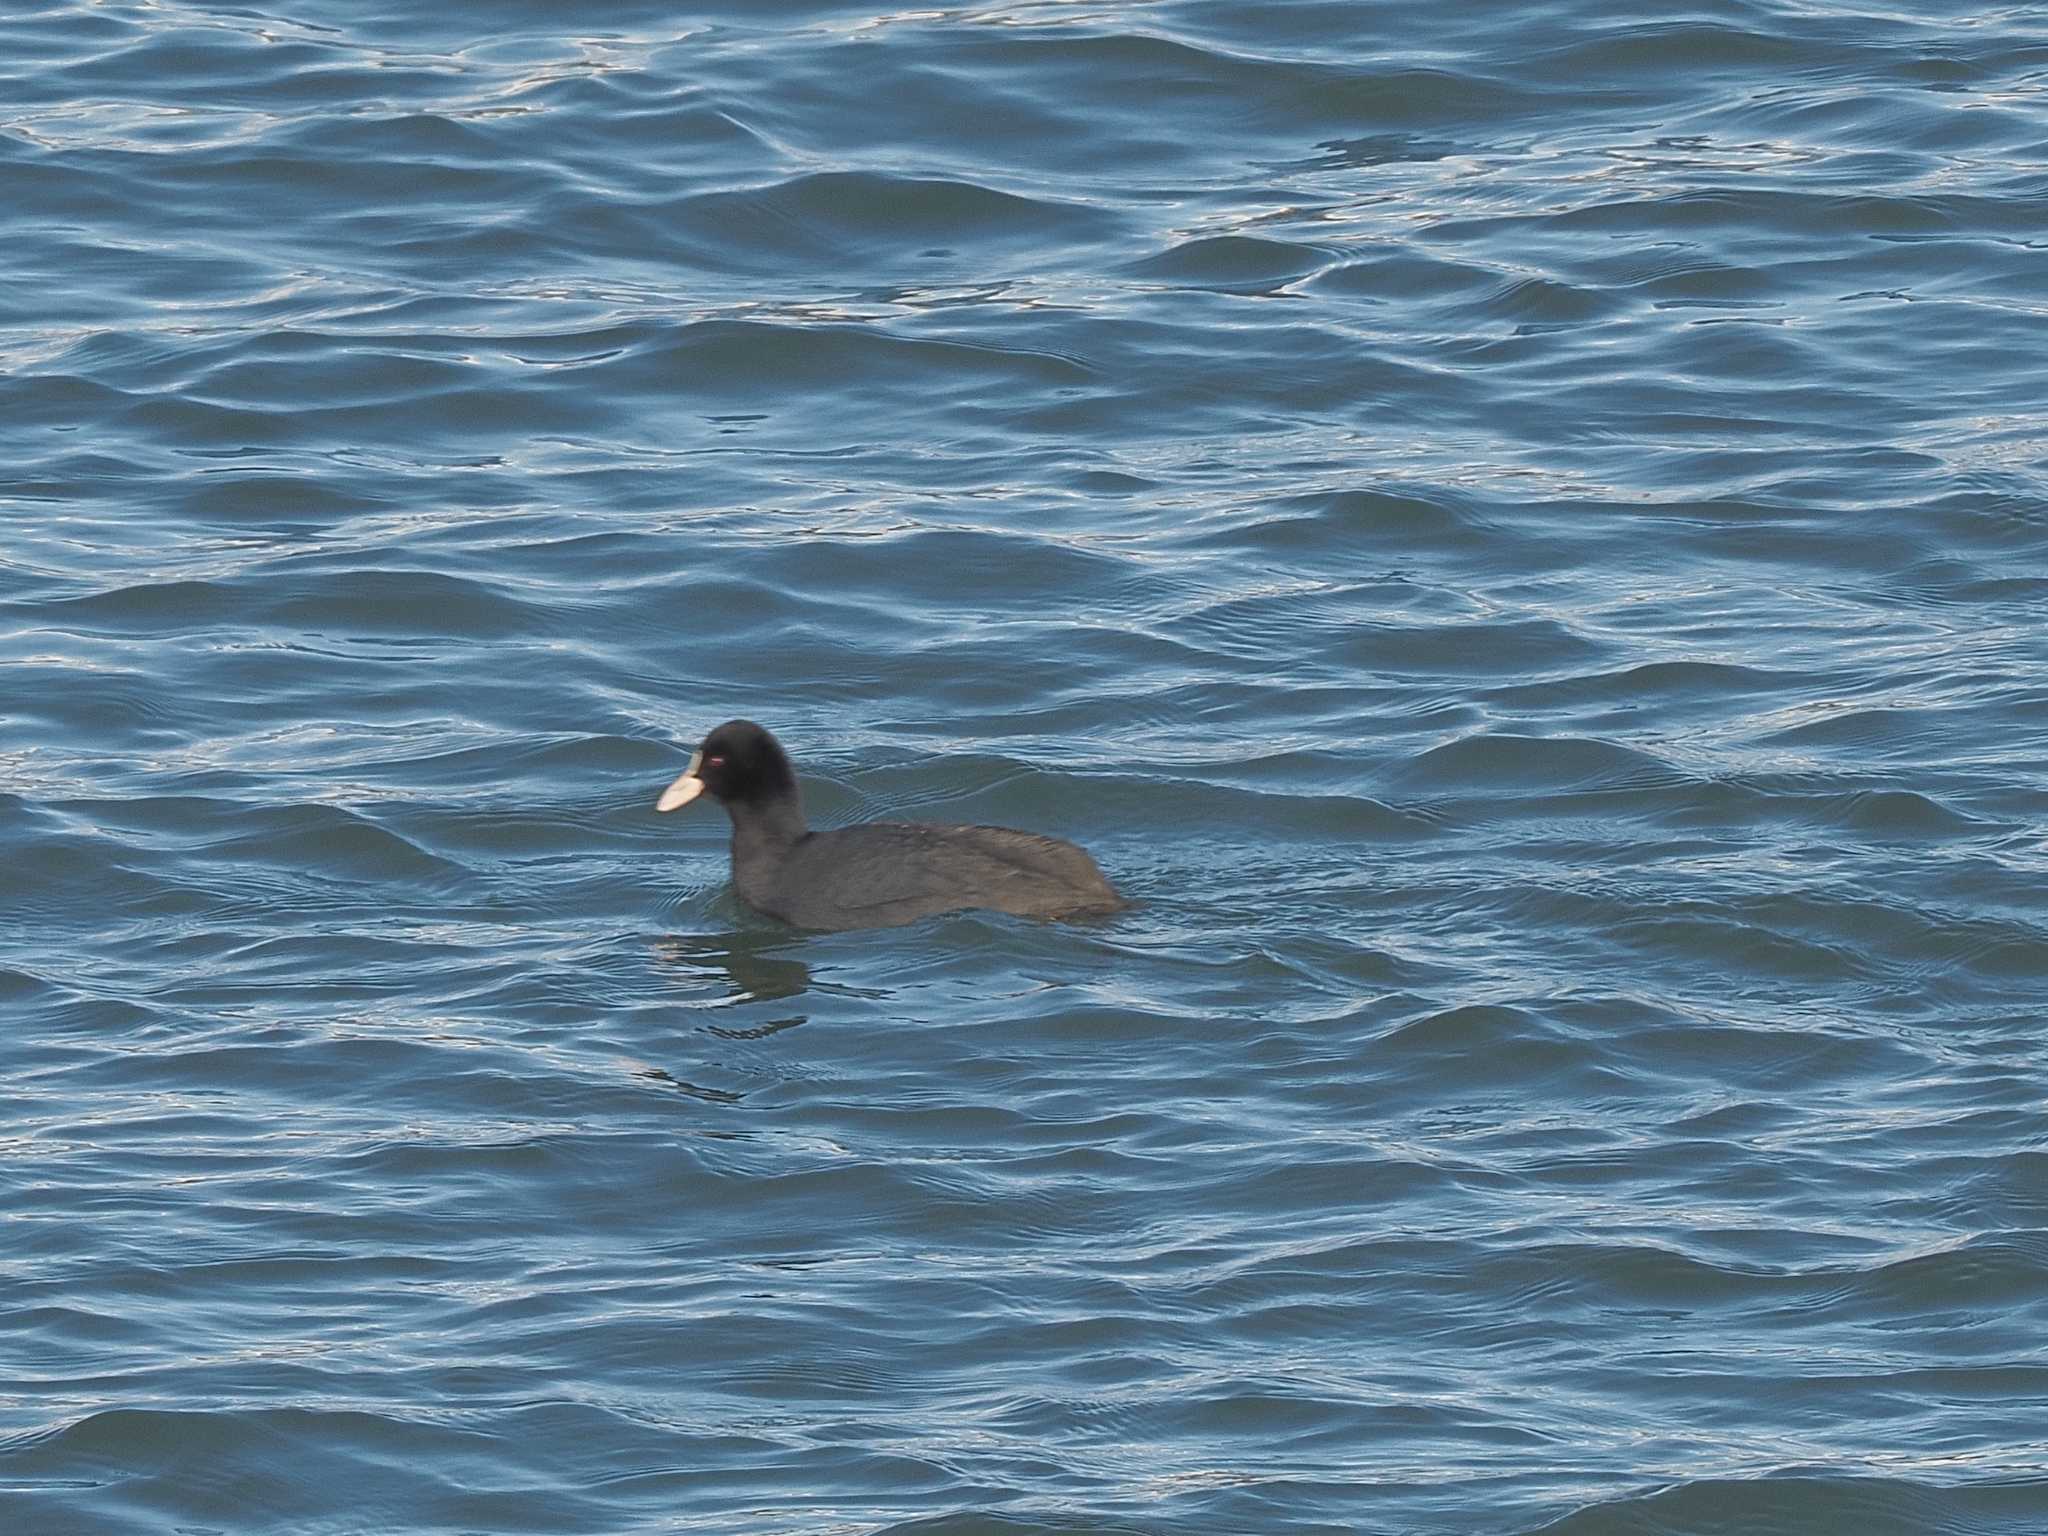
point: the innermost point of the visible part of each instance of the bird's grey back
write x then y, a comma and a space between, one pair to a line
888, 872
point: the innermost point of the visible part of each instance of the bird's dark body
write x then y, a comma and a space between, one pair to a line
884, 873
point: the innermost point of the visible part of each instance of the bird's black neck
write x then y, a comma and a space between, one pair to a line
774, 822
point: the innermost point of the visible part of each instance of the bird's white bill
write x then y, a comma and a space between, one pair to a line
685, 789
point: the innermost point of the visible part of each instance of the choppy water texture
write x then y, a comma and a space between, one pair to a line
1519, 534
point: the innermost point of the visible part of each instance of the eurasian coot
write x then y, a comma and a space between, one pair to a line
879, 874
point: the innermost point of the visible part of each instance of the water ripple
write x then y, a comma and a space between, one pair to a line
1516, 536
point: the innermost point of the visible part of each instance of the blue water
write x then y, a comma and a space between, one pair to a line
1517, 532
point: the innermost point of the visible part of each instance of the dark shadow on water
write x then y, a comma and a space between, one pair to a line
746, 967
726, 971
750, 963
758, 1031
1376, 149
683, 1085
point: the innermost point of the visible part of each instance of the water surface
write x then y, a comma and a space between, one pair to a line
1517, 532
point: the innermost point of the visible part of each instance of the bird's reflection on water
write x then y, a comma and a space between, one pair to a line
748, 969
683, 1085
730, 970
748, 966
